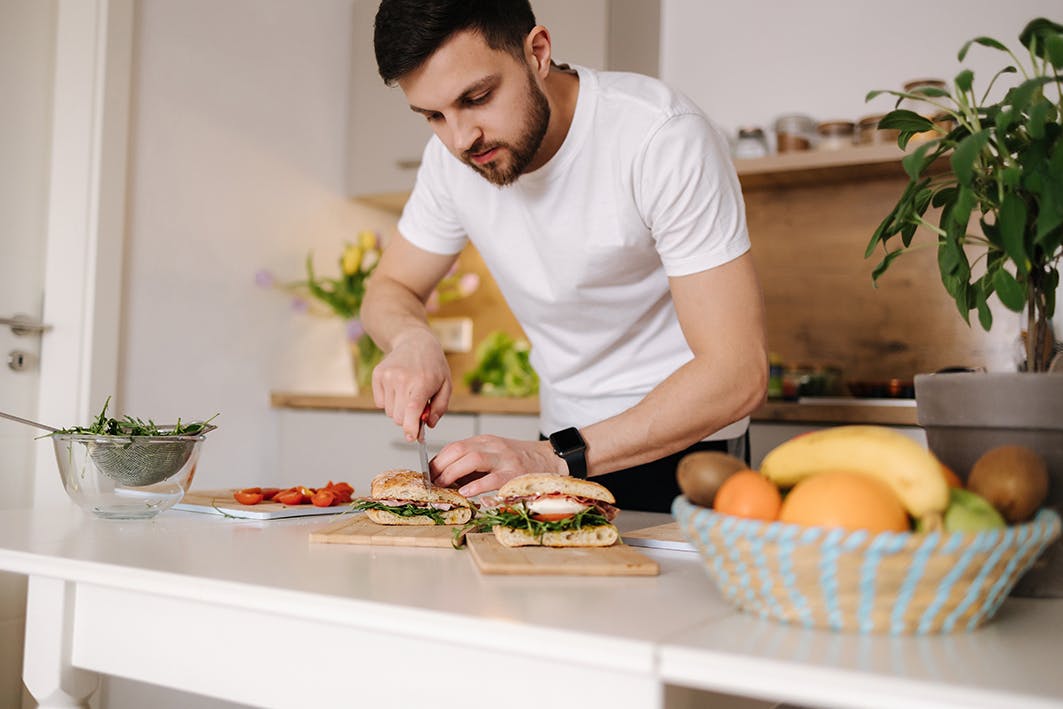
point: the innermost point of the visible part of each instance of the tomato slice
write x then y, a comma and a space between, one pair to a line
289, 497
323, 498
550, 517
269, 492
249, 496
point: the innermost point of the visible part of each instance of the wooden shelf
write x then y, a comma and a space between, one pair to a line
817, 167
809, 167
459, 403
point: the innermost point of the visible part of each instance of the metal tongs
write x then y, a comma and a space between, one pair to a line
422, 446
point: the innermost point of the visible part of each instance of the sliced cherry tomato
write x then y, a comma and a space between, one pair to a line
269, 492
550, 517
323, 498
248, 496
289, 497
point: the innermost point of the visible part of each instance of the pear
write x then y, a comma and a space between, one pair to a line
970, 512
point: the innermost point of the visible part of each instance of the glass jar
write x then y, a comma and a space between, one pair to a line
835, 135
868, 133
794, 132
751, 143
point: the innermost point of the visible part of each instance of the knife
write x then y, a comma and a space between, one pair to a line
422, 447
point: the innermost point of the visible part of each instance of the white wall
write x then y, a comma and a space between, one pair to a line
237, 164
745, 63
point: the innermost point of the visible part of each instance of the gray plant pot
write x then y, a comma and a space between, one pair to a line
967, 413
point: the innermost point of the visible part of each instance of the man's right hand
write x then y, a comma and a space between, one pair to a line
414, 372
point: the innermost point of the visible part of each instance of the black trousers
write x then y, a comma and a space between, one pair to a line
651, 487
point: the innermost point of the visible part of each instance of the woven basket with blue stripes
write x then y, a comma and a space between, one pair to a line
893, 582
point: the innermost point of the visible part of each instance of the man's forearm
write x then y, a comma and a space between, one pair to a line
684, 408
390, 312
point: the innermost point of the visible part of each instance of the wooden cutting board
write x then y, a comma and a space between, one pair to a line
361, 530
221, 502
616, 560
661, 536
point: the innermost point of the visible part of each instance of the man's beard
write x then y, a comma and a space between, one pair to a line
523, 151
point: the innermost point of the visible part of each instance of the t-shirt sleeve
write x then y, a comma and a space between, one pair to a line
689, 196
429, 219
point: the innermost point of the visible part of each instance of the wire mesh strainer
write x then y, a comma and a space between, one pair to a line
141, 460
131, 460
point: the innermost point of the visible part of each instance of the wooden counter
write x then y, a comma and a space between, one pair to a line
888, 412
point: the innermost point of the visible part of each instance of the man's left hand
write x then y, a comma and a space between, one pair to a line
495, 460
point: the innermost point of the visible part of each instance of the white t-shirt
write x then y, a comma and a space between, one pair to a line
641, 189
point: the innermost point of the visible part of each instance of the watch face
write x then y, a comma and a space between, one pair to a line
567, 441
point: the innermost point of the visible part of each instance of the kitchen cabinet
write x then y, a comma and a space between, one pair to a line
385, 138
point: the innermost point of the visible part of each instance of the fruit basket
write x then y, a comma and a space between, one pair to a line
892, 582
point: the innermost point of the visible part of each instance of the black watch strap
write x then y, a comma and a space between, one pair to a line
569, 445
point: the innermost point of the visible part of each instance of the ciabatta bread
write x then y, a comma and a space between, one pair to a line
600, 536
403, 486
547, 483
458, 515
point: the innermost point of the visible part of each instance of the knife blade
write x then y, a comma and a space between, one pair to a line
422, 446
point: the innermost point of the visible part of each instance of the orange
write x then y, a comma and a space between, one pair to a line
848, 500
951, 478
748, 494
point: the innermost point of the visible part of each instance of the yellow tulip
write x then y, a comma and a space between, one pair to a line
367, 239
352, 259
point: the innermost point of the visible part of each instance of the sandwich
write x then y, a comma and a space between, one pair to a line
401, 497
542, 509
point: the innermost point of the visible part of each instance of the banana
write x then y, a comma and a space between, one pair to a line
908, 468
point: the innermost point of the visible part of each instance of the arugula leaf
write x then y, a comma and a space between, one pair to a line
408, 510
517, 517
103, 425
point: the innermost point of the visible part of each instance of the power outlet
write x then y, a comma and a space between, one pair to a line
455, 334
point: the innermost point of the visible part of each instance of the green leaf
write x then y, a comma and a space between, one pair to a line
1010, 291
984, 41
944, 196
881, 233
884, 265
1049, 285
1040, 30
960, 213
965, 155
918, 160
985, 315
1054, 50
1039, 115
930, 92
1021, 96
1011, 221
905, 120
964, 80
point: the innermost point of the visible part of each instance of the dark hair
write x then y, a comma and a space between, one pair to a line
407, 32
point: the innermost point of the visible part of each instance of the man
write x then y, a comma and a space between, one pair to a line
606, 208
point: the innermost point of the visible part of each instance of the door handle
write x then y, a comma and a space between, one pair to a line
25, 325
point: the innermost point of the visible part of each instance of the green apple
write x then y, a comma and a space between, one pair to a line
970, 512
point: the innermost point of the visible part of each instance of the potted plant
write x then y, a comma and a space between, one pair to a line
995, 171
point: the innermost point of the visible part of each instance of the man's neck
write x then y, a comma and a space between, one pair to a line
562, 91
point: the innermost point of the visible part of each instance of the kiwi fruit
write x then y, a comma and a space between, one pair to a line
701, 473
1014, 479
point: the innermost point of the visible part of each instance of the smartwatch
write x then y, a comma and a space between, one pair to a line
569, 445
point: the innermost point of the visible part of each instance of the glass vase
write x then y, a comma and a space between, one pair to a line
365, 355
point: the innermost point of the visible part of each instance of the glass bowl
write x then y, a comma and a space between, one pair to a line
126, 477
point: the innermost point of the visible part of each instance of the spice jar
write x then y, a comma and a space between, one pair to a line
835, 135
793, 132
868, 133
751, 143
923, 107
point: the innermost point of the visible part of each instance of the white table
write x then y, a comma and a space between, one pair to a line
250, 611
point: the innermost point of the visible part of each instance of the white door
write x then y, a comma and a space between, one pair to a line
27, 48
64, 84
